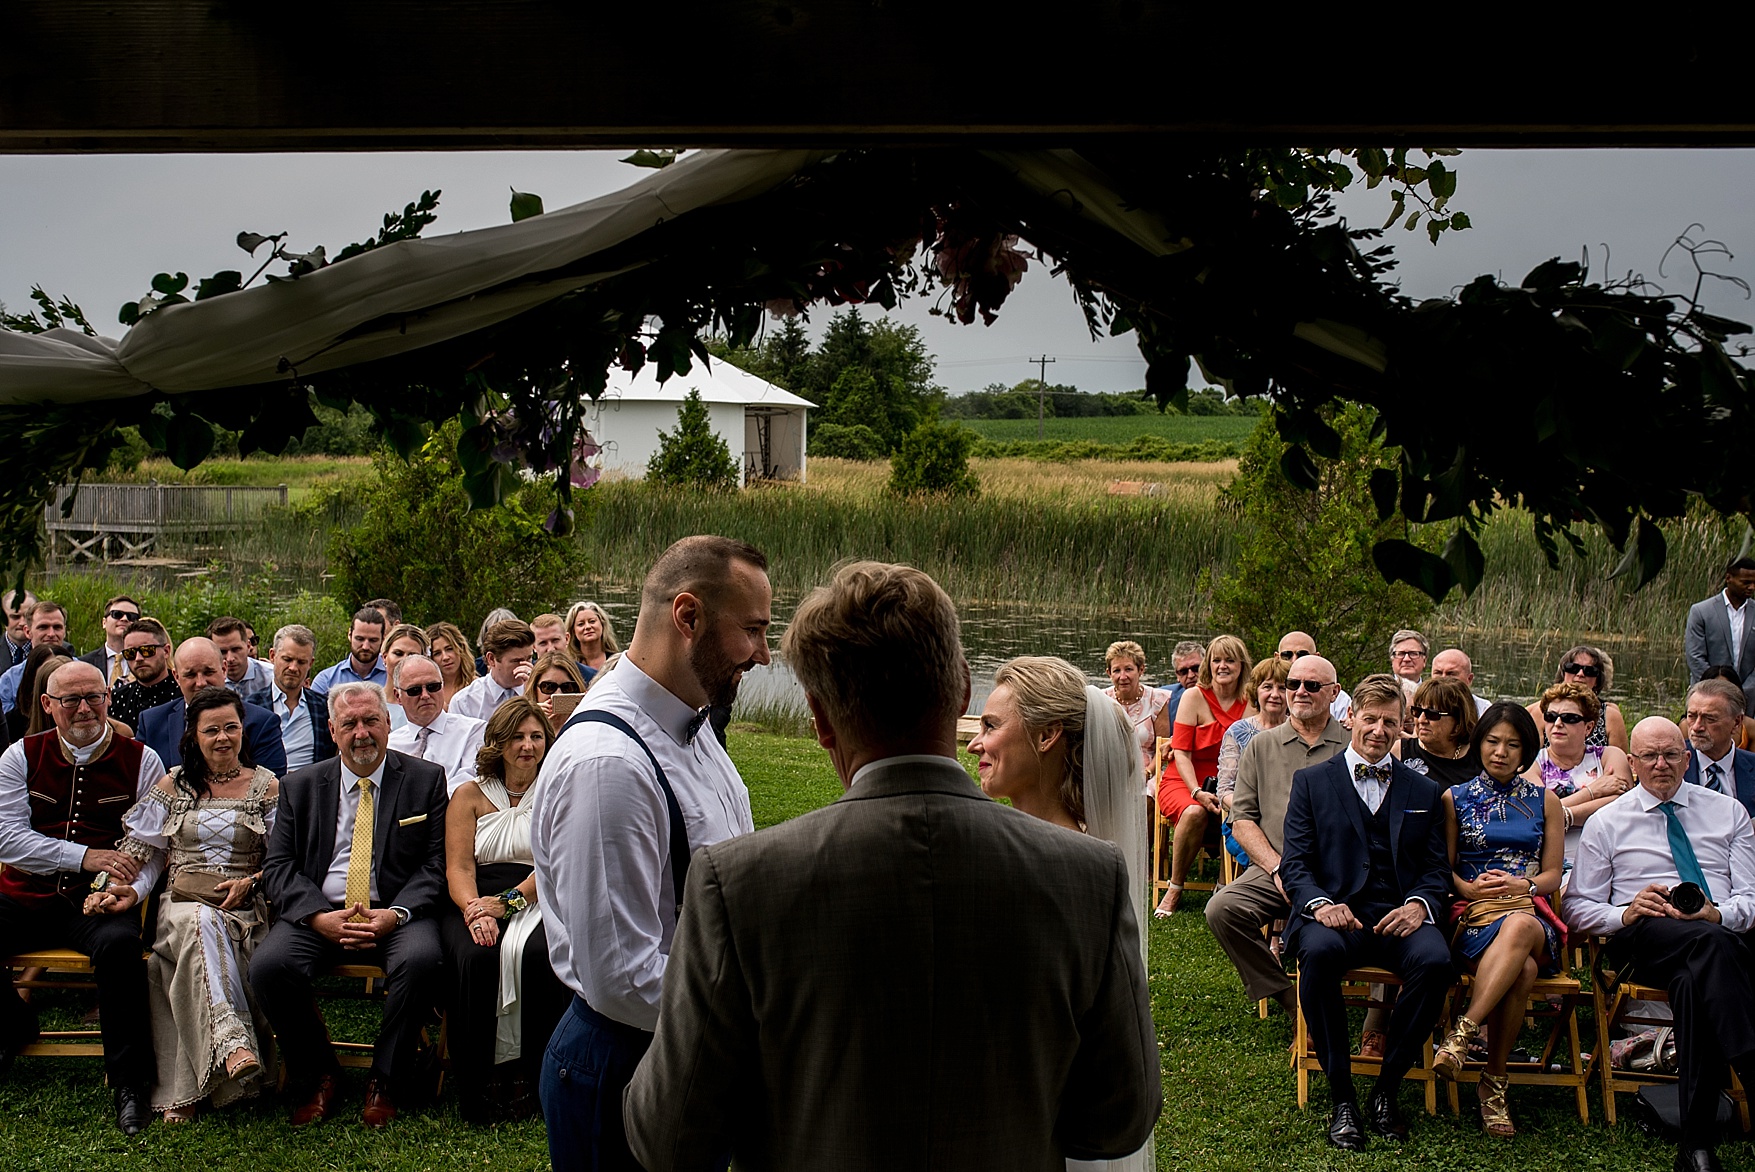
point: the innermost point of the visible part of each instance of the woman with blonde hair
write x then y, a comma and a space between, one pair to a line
1186, 790
1062, 751
590, 637
1147, 707
554, 672
450, 649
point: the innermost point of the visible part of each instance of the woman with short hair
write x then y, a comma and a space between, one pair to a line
1593, 668
1585, 779
1147, 708
1444, 717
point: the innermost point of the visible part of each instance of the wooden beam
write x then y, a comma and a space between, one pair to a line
232, 75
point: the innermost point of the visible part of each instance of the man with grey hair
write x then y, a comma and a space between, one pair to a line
1715, 714
1185, 663
1407, 658
838, 973
447, 739
356, 873
303, 711
628, 790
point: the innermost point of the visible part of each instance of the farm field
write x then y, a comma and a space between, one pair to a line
1118, 429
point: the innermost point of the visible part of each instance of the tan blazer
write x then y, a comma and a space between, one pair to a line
914, 977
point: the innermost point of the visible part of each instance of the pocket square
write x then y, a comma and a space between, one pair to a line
1427, 810
411, 821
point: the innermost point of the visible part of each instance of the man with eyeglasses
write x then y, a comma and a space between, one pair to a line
447, 739
48, 628
17, 606
1637, 859
1295, 646
198, 666
63, 793
1407, 659
118, 612
147, 649
1715, 713
1718, 630
508, 649
301, 710
1238, 912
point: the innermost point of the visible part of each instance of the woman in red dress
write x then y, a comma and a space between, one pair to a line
1185, 788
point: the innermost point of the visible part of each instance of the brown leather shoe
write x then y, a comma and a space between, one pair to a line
321, 1103
379, 1110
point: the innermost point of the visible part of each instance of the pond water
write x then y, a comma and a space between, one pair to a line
1648, 679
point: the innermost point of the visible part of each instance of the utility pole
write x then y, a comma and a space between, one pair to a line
1041, 389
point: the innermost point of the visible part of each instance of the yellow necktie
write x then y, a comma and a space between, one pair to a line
359, 855
115, 669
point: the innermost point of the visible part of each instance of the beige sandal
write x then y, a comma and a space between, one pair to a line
1495, 1112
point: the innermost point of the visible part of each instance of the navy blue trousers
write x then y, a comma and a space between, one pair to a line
589, 1062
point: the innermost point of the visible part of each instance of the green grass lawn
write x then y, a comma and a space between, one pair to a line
1119, 429
1229, 1100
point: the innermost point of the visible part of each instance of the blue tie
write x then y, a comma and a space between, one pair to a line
1687, 866
1715, 777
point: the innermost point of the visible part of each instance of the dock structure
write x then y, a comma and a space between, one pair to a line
114, 521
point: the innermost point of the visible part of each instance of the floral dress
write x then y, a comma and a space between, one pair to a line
1566, 782
1500, 827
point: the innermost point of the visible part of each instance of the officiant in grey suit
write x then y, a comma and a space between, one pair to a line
1719, 630
914, 976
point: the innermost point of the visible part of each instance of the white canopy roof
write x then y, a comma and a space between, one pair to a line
722, 383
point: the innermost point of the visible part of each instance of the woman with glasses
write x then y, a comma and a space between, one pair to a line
1585, 779
209, 819
1591, 667
1186, 791
1443, 713
1147, 708
553, 673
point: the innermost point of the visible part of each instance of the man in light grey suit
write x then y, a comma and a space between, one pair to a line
913, 977
1720, 630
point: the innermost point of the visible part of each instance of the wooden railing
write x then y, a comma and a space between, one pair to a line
136, 515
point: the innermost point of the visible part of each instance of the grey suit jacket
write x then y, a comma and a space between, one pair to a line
914, 977
1706, 641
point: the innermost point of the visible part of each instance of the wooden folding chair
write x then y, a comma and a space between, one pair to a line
1163, 836
64, 968
1356, 990
359, 1054
1554, 1000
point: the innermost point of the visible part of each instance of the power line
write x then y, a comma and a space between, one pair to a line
1041, 388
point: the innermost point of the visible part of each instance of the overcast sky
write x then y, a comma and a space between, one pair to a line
96, 228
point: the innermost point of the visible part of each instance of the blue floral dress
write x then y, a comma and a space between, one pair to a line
1500, 827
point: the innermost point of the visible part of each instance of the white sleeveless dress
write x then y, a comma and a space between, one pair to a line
503, 836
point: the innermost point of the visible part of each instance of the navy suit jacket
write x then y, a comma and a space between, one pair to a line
322, 744
1742, 769
1326, 857
161, 729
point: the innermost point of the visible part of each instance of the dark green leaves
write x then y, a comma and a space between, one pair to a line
1384, 488
1462, 553
1403, 561
1646, 552
525, 204
1299, 469
654, 159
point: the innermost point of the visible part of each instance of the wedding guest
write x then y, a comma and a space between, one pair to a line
1745, 734
919, 936
1444, 728
1267, 684
363, 663
456, 659
303, 712
628, 791
1407, 659
551, 633
244, 673
29, 718
198, 667
62, 797
1456, 664
391, 611
552, 674
403, 639
118, 612
1635, 858
431, 734
1185, 661
499, 614
1504, 834
1715, 713
209, 820
1718, 629
508, 651
505, 999
590, 637
1584, 779
1591, 667
48, 628
147, 648
1296, 645
1185, 791
15, 607
1147, 707
356, 873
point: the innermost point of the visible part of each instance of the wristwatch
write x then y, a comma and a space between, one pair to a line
514, 901
1533, 891
403, 915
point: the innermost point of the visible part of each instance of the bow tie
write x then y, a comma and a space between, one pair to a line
695, 723
1364, 772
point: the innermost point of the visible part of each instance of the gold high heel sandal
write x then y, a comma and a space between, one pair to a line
1495, 1113
1448, 1059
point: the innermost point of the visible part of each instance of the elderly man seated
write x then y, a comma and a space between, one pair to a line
1667, 872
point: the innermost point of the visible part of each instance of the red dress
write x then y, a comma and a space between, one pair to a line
1203, 744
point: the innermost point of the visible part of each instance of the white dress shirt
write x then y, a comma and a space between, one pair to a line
601, 839
1369, 789
452, 745
1736, 614
335, 882
1342, 706
1626, 847
122, 670
1725, 783
297, 733
24, 848
481, 696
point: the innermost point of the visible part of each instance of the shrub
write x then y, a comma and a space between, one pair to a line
693, 456
847, 441
1304, 558
419, 542
934, 458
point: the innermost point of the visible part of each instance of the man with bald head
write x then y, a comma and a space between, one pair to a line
1239, 911
199, 666
1454, 663
1637, 860
1295, 646
62, 796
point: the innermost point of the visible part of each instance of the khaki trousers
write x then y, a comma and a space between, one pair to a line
1236, 915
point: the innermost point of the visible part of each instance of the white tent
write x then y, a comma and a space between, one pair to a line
761, 423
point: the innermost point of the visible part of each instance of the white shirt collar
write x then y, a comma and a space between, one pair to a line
1725, 595
1649, 801
350, 780
1354, 760
901, 759
1725, 763
437, 725
665, 707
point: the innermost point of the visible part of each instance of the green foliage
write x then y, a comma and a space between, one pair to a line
62, 314
854, 441
419, 542
1121, 430
1304, 557
693, 456
934, 460
1145, 447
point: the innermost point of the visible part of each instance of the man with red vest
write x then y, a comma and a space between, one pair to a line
62, 797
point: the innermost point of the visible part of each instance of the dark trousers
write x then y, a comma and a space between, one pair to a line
590, 1061
113, 943
1705, 967
281, 973
1421, 959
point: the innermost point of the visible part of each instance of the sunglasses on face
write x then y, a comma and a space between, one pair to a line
433, 688
1420, 713
1188, 671
119, 615
141, 652
1563, 717
1589, 671
550, 687
1292, 655
1311, 686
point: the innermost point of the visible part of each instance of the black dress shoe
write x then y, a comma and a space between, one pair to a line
133, 1109
1697, 1160
1384, 1115
1344, 1131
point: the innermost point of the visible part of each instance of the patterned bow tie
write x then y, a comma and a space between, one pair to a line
695, 724
1363, 772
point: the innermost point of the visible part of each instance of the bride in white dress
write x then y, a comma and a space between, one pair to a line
1063, 751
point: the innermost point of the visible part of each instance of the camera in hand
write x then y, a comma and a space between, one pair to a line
1687, 898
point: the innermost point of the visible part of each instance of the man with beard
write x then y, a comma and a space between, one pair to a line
629, 788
